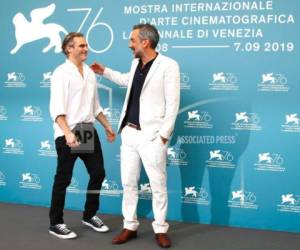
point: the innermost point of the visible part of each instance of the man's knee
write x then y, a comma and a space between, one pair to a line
62, 180
97, 176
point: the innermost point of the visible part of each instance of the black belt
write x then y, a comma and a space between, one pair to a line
84, 124
137, 127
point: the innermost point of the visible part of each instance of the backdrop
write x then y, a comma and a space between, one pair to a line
232, 159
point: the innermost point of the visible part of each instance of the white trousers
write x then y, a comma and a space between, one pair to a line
135, 149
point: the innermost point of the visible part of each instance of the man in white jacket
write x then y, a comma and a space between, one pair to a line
146, 124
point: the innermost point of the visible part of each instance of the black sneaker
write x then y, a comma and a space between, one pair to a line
96, 224
61, 231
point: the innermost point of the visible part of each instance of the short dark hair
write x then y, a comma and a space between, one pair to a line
68, 41
148, 32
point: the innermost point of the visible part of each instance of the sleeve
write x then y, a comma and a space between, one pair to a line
172, 98
117, 77
97, 109
58, 95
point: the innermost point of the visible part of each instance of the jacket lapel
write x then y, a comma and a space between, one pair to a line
133, 69
152, 70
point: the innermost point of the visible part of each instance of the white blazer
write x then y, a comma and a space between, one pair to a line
159, 100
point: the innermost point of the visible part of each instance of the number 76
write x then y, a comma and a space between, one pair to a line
93, 25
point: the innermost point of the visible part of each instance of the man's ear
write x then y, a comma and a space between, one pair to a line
146, 43
68, 49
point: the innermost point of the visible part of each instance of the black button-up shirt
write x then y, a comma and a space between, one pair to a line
133, 107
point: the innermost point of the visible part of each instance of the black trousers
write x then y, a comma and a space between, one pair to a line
65, 164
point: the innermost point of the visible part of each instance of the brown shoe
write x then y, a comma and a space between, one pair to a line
163, 240
124, 236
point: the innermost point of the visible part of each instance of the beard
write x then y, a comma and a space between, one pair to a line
137, 53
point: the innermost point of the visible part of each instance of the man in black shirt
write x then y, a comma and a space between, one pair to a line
147, 121
133, 108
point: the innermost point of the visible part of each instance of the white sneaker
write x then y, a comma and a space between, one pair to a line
97, 224
61, 231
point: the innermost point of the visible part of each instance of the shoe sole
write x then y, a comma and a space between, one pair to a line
64, 237
123, 242
94, 228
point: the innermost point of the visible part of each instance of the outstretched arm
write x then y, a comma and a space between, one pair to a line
98, 68
110, 134
112, 75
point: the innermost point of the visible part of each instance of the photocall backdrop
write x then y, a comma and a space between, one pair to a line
233, 158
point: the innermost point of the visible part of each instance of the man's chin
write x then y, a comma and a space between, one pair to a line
136, 56
84, 58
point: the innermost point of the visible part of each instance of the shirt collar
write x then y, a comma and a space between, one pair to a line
148, 63
71, 64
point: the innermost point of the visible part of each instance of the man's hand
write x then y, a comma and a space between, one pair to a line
110, 134
164, 140
98, 68
71, 140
